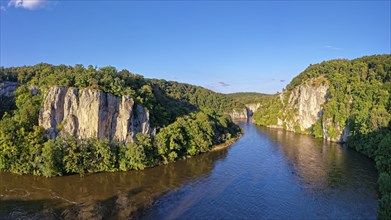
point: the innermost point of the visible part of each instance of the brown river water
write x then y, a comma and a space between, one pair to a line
268, 173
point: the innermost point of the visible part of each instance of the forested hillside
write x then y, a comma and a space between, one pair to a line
159, 96
356, 108
247, 97
187, 119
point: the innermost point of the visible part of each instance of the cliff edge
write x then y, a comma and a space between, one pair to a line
88, 113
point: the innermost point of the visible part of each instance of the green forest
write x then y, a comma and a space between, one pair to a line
247, 97
359, 97
189, 120
158, 96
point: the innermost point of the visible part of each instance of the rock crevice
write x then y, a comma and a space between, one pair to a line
88, 113
303, 108
7, 88
245, 113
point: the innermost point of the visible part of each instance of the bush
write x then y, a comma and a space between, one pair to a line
384, 183
52, 155
384, 210
132, 157
383, 155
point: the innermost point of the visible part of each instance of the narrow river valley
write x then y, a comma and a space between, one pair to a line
268, 173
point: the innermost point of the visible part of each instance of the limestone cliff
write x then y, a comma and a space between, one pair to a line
302, 107
8, 88
239, 114
251, 108
245, 113
92, 113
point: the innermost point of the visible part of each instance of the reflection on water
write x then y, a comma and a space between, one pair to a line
276, 174
322, 164
268, 173
115, 195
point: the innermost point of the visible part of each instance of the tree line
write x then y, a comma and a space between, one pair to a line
189, 120
166, 100
359, 97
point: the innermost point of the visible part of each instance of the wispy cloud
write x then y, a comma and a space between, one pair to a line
331, 47
2, 8
280, 80
218, 86
28, 4
223, 84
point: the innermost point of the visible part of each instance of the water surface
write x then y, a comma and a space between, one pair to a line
272, 173
268, 173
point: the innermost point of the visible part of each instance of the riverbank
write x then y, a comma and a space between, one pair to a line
227, 143
136, 205
288, 175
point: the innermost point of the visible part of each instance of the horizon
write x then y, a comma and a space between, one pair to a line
261, 93
207, 44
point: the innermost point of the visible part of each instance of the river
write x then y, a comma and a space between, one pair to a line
268, 173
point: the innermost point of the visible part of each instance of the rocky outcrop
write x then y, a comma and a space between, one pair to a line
245, 113
306, 101
251, 108
239, 114
8, 88
303, 107
92, 113
342, 132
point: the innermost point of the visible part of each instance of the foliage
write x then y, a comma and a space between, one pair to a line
383, 164
159, 96
20, 138
7, 105
52, 164
193, 134
270, 111
24, 149
137, 155
181, 113
359, 97
383, 155
186, 99
247, 97
317, 130
384, 183
384, 211
31, 153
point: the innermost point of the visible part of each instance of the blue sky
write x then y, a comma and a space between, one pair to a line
226, 46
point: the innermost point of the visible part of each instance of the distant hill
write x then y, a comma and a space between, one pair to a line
247, 97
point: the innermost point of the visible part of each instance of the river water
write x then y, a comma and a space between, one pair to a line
268, 173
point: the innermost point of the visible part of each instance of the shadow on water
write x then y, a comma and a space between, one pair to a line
268, 173
119, 195
274, 174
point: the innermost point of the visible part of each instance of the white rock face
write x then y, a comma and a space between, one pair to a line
52, 113
305, 107
92, 113
309, 104
8, 88
245, 113
251, 108
235, 115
